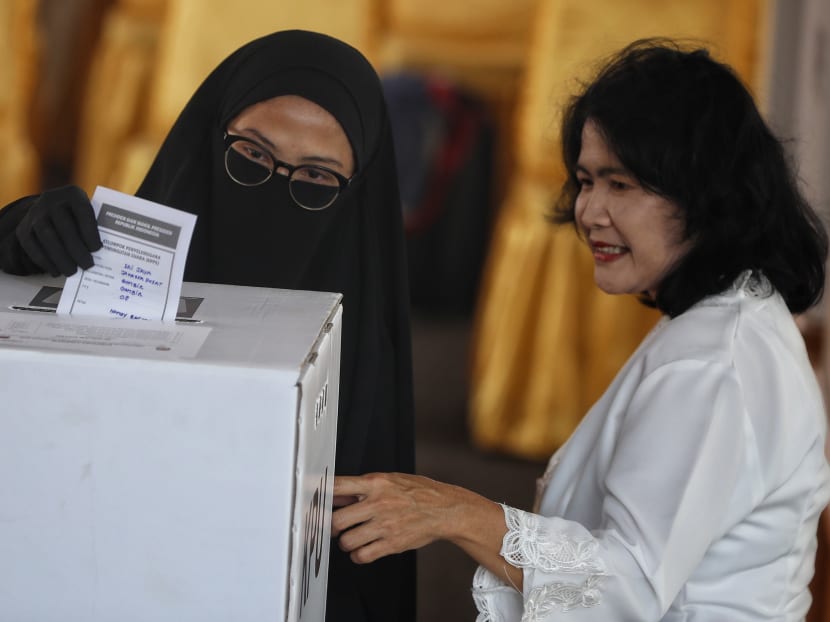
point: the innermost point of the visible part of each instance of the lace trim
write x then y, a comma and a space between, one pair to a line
483, 582
753, 283
529, 544
486, 587
749, 283
561, 597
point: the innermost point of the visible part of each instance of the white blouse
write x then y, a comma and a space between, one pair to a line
690, 491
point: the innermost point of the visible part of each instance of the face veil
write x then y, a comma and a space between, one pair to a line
257, 236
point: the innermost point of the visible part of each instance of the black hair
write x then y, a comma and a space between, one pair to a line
686, 128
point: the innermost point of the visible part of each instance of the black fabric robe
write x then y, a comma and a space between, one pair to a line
258, 236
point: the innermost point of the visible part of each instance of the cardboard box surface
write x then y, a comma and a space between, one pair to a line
167, 471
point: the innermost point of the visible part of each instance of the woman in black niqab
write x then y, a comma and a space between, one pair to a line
258, 236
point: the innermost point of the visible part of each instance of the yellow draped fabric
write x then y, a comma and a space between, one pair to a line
115, 97
481, 35
154, 59
19, 53
546, 341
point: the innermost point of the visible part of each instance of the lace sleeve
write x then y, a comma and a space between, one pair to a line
495, 601
530, 544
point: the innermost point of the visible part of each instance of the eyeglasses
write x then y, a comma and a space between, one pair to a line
311, 187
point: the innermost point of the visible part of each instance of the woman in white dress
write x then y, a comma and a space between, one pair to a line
692, 489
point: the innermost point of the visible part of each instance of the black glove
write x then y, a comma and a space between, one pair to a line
58, 232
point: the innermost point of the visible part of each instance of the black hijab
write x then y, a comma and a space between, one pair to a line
257, 236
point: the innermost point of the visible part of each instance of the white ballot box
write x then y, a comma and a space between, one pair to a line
173, 471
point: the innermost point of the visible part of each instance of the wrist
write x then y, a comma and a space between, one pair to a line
475, 521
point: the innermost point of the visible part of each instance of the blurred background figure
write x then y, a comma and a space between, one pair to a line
93, 86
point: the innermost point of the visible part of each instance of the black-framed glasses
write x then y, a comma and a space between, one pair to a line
312, 187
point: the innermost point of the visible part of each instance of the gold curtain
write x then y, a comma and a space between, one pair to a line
19, 55
546, 341
115, 97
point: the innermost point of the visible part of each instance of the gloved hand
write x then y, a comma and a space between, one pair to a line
12, 258
59, 231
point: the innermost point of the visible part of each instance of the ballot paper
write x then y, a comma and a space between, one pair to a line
139, 269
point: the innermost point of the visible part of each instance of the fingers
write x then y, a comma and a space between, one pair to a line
84, 219
350, 494
340, 500
352, 486
32, 247
363, 535
46, 247
67, 237
364, 546
59, 231
394, 512
348, 516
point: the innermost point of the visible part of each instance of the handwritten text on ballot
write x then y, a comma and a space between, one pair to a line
139, 269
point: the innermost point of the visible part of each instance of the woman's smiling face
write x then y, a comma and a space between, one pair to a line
636, 236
